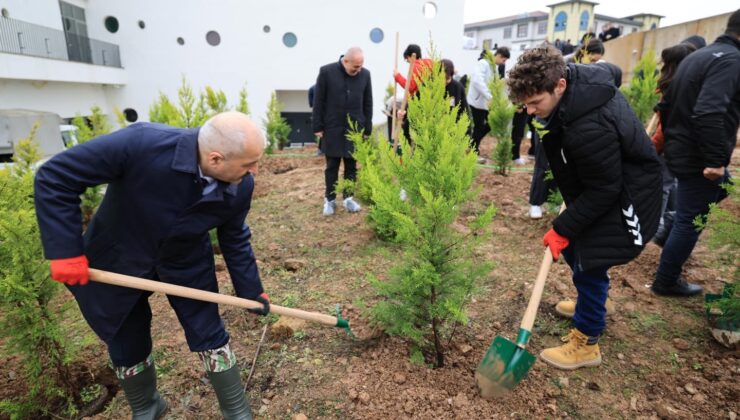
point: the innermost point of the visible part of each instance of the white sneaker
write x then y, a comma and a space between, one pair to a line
535, 212
520, 161
351, 205
329, 206
402, 195
481, 160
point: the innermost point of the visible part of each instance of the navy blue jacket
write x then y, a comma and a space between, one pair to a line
153, 222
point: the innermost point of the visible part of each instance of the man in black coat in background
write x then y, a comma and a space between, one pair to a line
343, 92
609, 175
699, 113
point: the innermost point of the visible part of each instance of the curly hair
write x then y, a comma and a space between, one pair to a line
537, 70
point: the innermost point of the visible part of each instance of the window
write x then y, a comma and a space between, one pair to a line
560, 21
521, 30
142, 24
130, 114
376, 35
523, 47
470, 34
635, 30
486, 44
180, 40
583, 24
289, 39
507, 32
429, 10
111, 24
213, 38
542, 27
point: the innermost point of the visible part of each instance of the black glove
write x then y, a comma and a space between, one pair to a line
265, 301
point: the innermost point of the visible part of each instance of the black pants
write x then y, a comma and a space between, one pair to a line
540, 188
518, 126
331, 175
480, 126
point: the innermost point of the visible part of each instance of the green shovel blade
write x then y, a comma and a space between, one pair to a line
503, 367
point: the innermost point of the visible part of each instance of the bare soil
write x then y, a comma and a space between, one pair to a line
659, 359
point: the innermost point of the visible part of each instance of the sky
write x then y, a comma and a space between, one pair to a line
675, 11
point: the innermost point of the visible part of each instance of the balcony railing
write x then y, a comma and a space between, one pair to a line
19, 37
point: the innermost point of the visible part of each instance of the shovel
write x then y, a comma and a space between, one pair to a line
506, 362
116, 279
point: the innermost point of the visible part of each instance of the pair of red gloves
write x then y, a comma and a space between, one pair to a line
556, 242
74, 271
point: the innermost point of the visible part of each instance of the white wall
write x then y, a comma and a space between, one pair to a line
40, 12
155, 62
65, 99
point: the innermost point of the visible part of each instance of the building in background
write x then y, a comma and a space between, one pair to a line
66, 56
567, 20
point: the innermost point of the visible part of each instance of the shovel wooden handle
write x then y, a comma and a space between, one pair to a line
539, 287
116, 279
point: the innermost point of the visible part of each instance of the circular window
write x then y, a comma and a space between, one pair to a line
429, 10
213, 38
142, 25
111, 24
180, 40
131, 115
5, 12
289, 39
376, 35
266, 29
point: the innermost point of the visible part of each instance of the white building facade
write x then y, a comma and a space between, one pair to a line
515, 32
66, 56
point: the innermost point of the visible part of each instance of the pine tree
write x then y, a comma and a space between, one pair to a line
500, 114
641, 93
30, 327
428, 290
276, 126
243, 106
97, 126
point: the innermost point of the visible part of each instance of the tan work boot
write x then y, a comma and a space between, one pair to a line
567, 308
575, 353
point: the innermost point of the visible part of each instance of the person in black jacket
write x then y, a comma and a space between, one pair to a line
608, 173
455, 90
699, 114
343, 92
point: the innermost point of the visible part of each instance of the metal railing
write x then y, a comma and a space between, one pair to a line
19, 37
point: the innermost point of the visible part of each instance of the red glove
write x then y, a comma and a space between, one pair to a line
556, 242
70, 271
265, 301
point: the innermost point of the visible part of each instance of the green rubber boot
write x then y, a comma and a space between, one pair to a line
230, 393
142, 395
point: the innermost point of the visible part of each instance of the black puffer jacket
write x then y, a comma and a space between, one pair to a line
701, 109
606, 168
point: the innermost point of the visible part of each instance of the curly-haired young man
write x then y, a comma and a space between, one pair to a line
609, 175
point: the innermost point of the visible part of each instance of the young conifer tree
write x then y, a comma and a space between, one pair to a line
98, 125
500, 114
243, 105
276, 127
641, 92
30, 325
428, 291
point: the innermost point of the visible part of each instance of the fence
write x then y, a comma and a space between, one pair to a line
19, 37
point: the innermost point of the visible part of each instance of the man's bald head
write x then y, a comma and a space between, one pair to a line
230, 133
227, 143
353, 61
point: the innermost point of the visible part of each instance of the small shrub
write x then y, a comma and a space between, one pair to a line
276, 126
641, 91
97, 126
500, 114
29, 326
